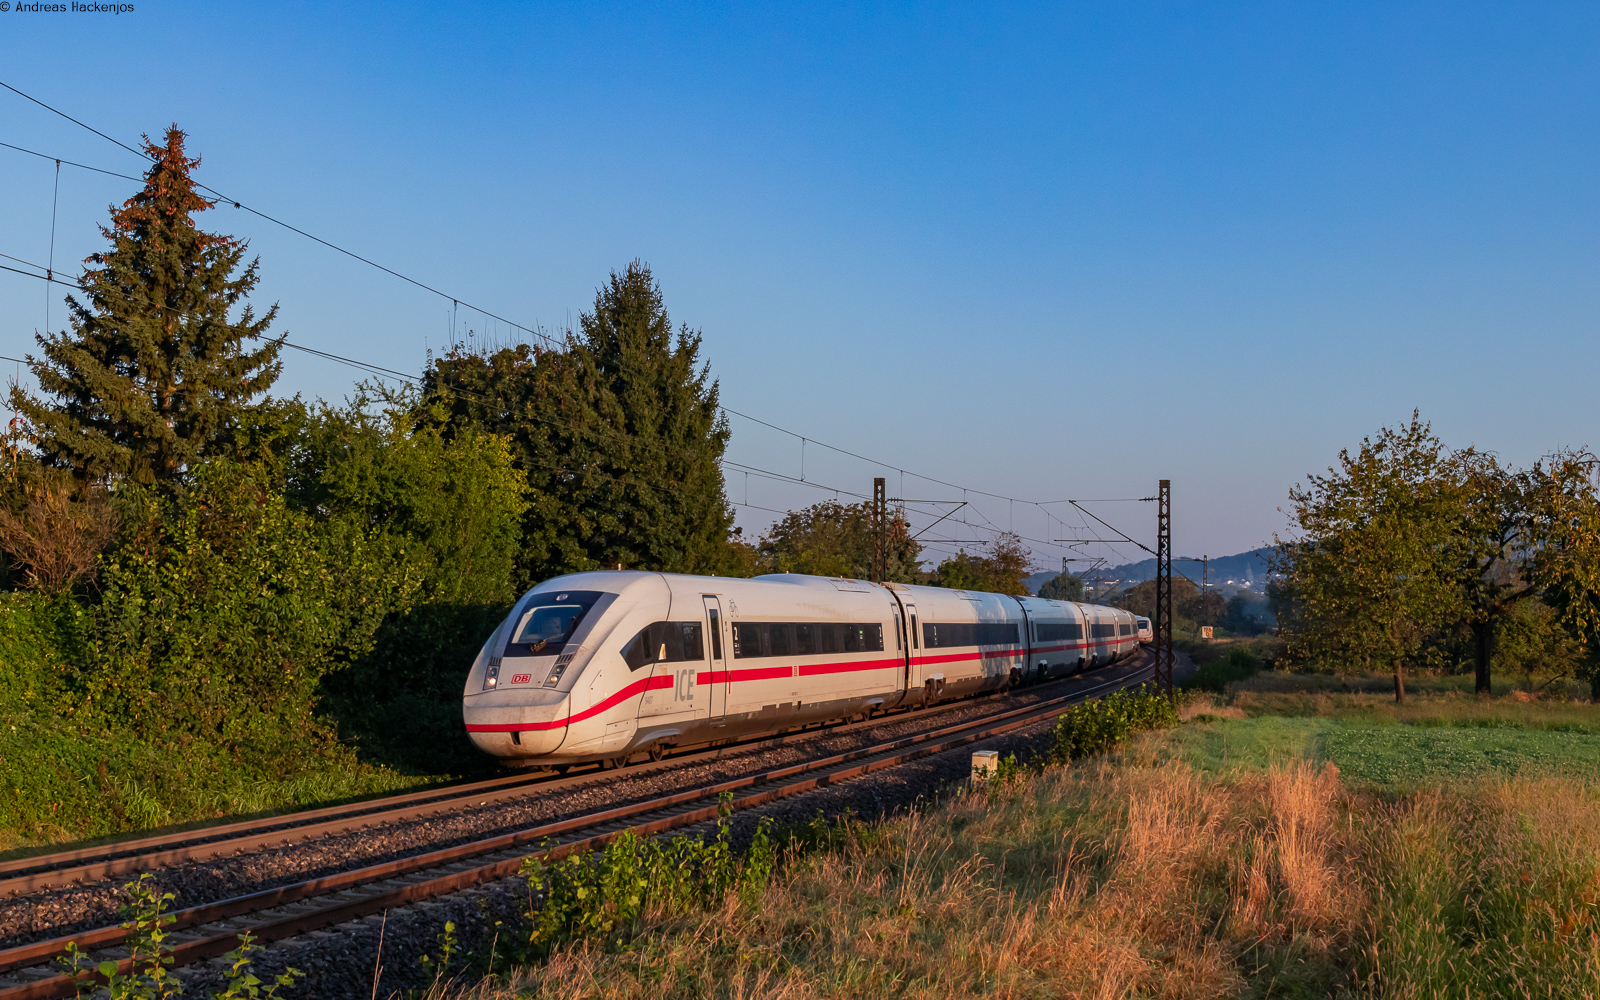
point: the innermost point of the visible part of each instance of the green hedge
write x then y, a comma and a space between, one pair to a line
1239, 664
40, 637
1097, 726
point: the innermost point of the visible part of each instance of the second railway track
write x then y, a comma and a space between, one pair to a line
206, 931
89, 864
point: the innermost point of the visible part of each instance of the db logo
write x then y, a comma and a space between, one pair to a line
521, 678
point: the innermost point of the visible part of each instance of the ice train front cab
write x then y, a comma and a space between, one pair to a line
543, 684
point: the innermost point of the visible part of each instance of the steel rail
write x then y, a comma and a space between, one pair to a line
43, 871
405, 881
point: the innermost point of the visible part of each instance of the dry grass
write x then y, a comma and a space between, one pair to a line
1101, 881
1490, 891
1141, 876
1204, 704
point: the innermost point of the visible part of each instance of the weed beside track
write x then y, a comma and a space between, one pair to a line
1292, 864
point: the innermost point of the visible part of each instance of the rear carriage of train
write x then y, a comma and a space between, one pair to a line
1111, 634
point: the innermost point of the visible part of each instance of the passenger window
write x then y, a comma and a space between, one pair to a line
664, 642
669, 644
865, 638
689, 635
746, 640
805, 639
830, 638
780, 639
716, 635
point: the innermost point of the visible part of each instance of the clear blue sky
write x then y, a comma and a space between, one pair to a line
1049, 252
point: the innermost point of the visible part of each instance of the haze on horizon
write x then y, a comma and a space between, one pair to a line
1045, 253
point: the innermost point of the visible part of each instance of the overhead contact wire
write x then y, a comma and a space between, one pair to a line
457, 301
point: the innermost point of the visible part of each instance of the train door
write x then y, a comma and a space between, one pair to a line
1029, 666
717, 680
914, 643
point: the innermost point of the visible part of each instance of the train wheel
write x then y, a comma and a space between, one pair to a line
613, 763
658, 750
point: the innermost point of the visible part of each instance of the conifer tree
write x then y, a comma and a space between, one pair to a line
153, 376
650, 491
618, 432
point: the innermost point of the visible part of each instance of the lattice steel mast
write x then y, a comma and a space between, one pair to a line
1163, 615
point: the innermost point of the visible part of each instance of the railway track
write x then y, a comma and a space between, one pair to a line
206, 931
92, 864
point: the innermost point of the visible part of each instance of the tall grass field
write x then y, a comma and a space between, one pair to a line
1286, 838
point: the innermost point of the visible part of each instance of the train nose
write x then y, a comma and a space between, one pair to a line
512, 723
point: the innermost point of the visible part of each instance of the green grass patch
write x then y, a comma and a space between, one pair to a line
1219, 746
1408, 756
1377, 754
62, 783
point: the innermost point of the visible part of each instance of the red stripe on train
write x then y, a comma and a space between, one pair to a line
636, 688
759, 674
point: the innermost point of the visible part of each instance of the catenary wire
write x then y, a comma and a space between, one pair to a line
295, 229
804, 438
455, 300
378, 369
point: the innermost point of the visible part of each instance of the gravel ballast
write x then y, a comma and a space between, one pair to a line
341, 961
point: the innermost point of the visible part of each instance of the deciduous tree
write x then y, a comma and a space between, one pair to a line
1494, 547
1567, 558
1378, 561
835, 539
1062, 587
999, 569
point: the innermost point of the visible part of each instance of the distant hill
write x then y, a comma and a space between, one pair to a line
1038, 580
1245, 566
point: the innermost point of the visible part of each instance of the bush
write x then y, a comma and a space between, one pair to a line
62, 780
41, 636
1237, 665
452, 506
605, 894
222, 608
1097, 726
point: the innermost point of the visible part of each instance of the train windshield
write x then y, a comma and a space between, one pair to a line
547, 621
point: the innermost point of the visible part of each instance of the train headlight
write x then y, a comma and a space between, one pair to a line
491, 676
562, 662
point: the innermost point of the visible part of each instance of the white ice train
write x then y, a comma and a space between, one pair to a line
608, 666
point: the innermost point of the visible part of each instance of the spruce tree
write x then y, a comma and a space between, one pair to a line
650, 490
154, 376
